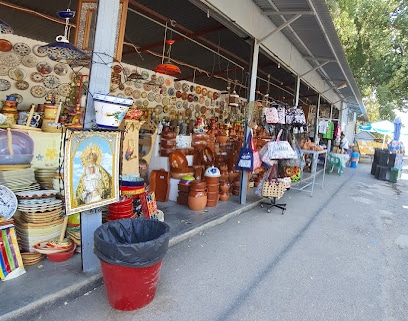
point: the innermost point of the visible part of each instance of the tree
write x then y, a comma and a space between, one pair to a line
374, 34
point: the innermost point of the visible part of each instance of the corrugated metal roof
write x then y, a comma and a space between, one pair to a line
221, 54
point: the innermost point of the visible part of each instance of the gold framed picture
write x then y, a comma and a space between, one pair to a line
91, 169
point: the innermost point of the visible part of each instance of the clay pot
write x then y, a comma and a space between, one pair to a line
198, 185
224, 197
197, 201
222, 139
212, 203
212, 188
225, 187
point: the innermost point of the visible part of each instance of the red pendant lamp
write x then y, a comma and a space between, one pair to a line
167, 67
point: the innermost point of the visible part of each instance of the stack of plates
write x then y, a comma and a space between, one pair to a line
31, 258
45, 176
19, 180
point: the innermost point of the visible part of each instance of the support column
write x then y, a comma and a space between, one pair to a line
297, 89
99, 82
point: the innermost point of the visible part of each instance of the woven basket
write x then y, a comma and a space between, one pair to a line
273, 189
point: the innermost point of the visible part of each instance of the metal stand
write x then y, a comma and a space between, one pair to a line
273, 203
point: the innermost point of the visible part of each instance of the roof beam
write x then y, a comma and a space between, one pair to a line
285, 13
284, 25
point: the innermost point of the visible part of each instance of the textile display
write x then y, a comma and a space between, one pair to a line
11, 263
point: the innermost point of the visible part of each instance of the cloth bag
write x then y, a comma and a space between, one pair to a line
246, 157
280, 149
271, 115
257, 163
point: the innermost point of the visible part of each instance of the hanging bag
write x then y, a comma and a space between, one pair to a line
246, 157
256, 158
271, 115
280, 149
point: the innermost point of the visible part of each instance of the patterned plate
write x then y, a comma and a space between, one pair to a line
44, 68
61, 69
167, 82
64, 90
4, 85
17, 74
150, 96
145, 74
38, 54
171, 91
51, 82
10, 58
36, 77
8, 202
19, 98
136, 94
38, 91
185, 87
4, 69
163, 90
5, 45
22, 85
21, 48
29, 61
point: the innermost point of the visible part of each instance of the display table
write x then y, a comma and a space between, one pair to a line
306, 184
344, 158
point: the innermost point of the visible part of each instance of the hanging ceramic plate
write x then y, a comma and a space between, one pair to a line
19, 98
136, 94
145, 74
150, 96
179, 104
207, 102
160, 80
4, 85
204, 92
22, 85
51, 82
29, 61
184, 95
203, 109
155, 89
10, 58
163, 90
195, 98
192, 89
4, 69
117, 69
38, 91
64, 90
147, 87
171, 91
185, 87
197, 108
21, 48
39, 54
201, 100
210, 94
138, 84
145, 103
44, 68
61, 69
216, 95
177, 85
128, 91
17, 74
178, 94
198, 90
165, 101
167, 82
8, 202
36, 77
185, 104
5, 45
144, 94
158, 98
190, 98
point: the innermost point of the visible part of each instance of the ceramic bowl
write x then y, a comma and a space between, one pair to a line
62, 256
22, 143
16, 159
212, 171
177, 160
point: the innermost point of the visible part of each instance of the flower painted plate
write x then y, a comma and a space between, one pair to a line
51, 82
22, 48
4, 70
10, 58
44, 68
38, 91
8, 202
64, 90
36, 77
22, 85
17, 74
29, 61
61, 69
4, 85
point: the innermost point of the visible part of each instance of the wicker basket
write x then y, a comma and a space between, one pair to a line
273, 189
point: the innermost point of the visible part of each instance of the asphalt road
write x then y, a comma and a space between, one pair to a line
339, 255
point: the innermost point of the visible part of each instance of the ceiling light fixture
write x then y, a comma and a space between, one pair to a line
167, 67
62, 49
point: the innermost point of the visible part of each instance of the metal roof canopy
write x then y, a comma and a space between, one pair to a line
213, 38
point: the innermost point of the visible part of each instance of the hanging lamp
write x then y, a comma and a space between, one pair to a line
167, 67
5, 28
62, 49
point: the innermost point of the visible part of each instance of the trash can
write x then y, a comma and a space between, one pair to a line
130, 252
394, 174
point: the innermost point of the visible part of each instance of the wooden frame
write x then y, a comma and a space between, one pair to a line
91, 169
87, 12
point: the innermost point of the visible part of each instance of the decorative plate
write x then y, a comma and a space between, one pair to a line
51, 82
210, 94
19, 98
144, 94
128, 91
167, 82
185, 104
204, 91
185, 87
158, 98
155, 89
178, 94
44, 68
38, 91
171, 91
160, 80
165, 101
21, 48
138, 84
179, 104
198, 90
8, 202
197, 108
39, 54
190, 98
29, 61
163, 90
5, 45
117, 69
22, 85
10, 58
201, 100
192, 89
195, 98
145, 74
203, 109
145, 103
36, 77
17, 74
4, 85
4, 69
207, 102
147, 87
184, 95
177, 85
61, 69
64, 90
150, 96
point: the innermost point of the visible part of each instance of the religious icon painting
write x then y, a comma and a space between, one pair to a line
91, 169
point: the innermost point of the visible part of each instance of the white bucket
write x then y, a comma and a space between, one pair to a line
110, 110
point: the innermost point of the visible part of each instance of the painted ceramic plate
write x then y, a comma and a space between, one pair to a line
167, 82
128, 91
29, 61
204, 91
4, 69
179, 104
165, 101
8, 202
38, 54
163, 90
10, 58
185, 87
138, 84
171, 91
145, 103
150, 96
36, 77
4, 85
155, 89
19, 98
51, 82
22, 85
144, 94
158, 98
44, 68
38, 91
17, 74
136, 94
145, 74
160, 80
21, 48
198, 90
64, 90
177, 85
5, 45
61, 69
185, 104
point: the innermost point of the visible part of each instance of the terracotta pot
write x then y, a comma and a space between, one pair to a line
224, 197
212, 203
212, 180
197, 203
213, 195
222, 139
168, 135
195, 185
213, 188
225, 188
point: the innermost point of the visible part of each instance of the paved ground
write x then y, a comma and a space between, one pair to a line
339, 255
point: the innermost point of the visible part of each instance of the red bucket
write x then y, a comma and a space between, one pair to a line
130, 288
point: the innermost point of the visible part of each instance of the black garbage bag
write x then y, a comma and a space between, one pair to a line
132, 242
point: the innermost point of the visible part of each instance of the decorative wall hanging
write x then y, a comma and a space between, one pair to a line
91, 169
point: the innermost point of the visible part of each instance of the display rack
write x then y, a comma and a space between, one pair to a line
273, 191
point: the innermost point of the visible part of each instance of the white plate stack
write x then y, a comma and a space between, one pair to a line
19, 180
45, 177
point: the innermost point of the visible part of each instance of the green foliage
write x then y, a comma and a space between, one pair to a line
374, 34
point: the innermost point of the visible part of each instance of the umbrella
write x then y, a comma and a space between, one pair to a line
397, 128
384, 127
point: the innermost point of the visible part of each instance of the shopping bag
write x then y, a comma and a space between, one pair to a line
271, 115
280, 149
246, 157
256, 158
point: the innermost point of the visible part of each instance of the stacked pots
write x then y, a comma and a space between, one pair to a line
212, 176
224, 190
184, 189
167, 143
121, 209
197, 197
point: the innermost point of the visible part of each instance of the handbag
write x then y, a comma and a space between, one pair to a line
280, 149
271, 115
256, 158
246, 157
